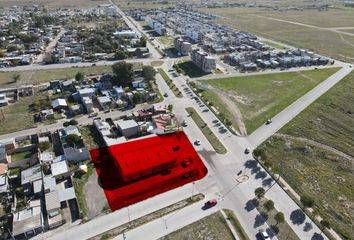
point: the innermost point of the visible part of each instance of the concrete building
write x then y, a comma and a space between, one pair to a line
60, 170
88, 104
183, 47
128, 128
205, 62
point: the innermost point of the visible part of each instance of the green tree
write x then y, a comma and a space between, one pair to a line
43, 146
148, 72
279, 217
80, 76
73, 122
269, 205
73, 139
120, 55
138, 98
2, 54
143, 41
259, 192
307, 201
228, 122
123, 73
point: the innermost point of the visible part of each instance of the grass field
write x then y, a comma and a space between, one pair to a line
260, 97
17, 116
236, 224
327, 121
54, 3
211, 227
166, 40
20, 156
43, 76
274, 45
213, 140
318, 37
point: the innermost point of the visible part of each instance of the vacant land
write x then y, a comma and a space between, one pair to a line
211, 227
309, 29
54, 3
139, 4
17, 116
213, 140
323, 167
166, 40
45, 76
260, 97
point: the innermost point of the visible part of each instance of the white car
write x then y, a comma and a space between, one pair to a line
197, 142
264, 234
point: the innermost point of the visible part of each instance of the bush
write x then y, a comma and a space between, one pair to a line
43, 146
73, 122
307, 201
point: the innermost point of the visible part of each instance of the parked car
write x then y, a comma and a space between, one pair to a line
264, 234
197, 142
165, 95
247, 150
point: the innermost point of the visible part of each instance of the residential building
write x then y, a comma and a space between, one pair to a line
183, 47
28, 176
59, 104
128, 128
60, 170
76, 155
205, 62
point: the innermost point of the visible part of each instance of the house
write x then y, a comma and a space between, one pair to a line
77, 109
49, 184
28, 176
69, 85
60, 170
29, 222
9, 145
161, 121
105, 102
76, 155
139, 83
59, 104
205, 62
55, 84
128, 128
88, 104
52, 203
70, 130
47, 114
46, 157
86, 92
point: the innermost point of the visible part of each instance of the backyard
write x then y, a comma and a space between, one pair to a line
259, 97
320, 141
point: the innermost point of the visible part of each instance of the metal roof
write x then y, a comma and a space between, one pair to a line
52, 200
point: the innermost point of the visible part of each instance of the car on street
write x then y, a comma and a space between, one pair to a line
264, 234
184, 123
269, 121
247, 150
165, 95
197, 142
210, 203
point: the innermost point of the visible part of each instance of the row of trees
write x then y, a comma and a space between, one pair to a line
123, 73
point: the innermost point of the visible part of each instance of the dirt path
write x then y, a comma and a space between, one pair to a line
317, 144
305, 76
234, 110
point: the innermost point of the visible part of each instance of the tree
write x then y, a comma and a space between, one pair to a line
143, 41
228, 122
325, 224
138, 98
307, 201
73, 122
80, 76
73, 139
279, 217
43, 146
269, 205
123, 73
259, 192
148, 72
2, 54
120, 55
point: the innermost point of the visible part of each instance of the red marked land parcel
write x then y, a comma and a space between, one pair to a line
139, 169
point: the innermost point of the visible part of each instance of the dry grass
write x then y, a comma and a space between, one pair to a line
54, 3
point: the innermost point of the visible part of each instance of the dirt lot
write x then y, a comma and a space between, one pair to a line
213, 227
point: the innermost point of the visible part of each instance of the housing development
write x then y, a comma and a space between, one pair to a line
176, 120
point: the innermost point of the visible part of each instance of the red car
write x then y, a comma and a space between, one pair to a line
211, 203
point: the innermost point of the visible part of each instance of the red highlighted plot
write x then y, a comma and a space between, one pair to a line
134, 171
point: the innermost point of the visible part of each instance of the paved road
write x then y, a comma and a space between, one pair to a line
265, 131
50, 47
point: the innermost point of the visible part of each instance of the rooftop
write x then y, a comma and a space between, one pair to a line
59, 168
31, 174
126, 124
